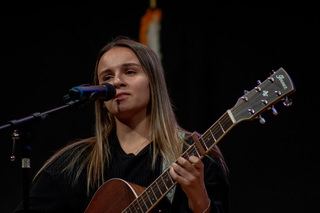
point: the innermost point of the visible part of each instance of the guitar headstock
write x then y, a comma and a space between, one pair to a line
264, 96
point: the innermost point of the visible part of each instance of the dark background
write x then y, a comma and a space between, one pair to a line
212, 51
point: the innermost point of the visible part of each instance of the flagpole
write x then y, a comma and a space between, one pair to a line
153, 4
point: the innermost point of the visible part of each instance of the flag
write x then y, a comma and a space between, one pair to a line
150, 26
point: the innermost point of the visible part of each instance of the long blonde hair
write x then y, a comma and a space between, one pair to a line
164, 127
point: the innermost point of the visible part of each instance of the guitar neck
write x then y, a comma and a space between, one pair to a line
164, 183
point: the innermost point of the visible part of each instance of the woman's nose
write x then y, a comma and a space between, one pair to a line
118, 82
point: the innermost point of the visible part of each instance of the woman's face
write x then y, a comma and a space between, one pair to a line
120, 67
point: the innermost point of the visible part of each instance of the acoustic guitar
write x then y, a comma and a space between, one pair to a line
117, 195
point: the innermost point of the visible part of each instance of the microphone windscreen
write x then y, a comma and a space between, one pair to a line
111, 91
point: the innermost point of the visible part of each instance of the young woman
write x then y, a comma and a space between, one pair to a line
137, 138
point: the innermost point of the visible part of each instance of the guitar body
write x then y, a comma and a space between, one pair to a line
114, 196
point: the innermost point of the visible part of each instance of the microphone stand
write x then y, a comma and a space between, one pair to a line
22, 133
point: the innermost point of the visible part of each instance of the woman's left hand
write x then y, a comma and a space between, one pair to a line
189, 173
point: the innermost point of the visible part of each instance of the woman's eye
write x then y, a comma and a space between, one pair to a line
130, 72
107, 78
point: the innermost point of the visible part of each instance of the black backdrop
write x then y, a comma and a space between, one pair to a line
212, 51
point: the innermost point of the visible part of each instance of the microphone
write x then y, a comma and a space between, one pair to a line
103, 91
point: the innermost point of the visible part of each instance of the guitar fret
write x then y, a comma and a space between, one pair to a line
217, 132
191, 151
167, 180
151, 195
148, 201
186, 155
157, 191
132, 208
197, 152
212, 135
194, 150
204, 143
163, 190
143, 208
164, 183
137, 206
144, 204
153, 191
221, 126
141, 205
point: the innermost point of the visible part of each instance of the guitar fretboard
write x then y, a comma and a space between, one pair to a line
164, 183
216, 132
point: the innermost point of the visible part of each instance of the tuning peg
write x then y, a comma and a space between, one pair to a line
258, 89
271, 79
244, 97
274, 111
258, 82
287, 102
278, 93
261, 119
251, 111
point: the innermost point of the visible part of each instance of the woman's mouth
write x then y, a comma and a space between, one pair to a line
121, 96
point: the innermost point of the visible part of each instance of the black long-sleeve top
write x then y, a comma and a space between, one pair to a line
54, 191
